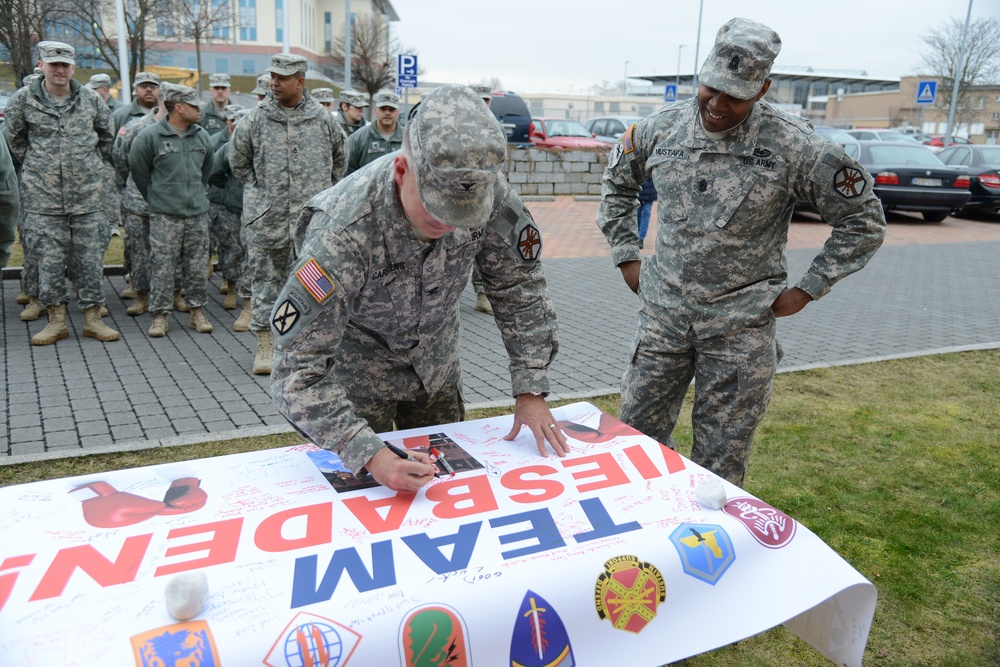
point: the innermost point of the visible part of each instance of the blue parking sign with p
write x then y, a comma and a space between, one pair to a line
670, 93
926, 91
406, 67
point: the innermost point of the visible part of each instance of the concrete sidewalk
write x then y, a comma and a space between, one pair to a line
930, 289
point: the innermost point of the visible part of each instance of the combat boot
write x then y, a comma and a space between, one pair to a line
180, 303
128, 292
224, 287
104, 311
158, 329
265, 350
198, 322
483, 304
32, 311
23, 299
230, 301
55, 329
140, 305
242, 322
93, 327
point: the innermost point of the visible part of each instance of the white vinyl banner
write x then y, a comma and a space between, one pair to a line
602, 557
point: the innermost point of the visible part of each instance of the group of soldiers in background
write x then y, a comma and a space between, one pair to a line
189, 178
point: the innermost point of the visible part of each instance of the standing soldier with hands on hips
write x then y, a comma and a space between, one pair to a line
728, 169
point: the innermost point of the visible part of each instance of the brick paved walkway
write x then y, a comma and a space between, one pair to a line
932, 288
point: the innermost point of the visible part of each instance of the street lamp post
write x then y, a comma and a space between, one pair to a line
677, 82
697, 48
625, 80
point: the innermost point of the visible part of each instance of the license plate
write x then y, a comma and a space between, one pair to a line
927, 182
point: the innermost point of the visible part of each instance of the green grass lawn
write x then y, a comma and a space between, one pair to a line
895, 465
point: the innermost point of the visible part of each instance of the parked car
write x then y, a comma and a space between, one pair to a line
910, 177
513, 115
610, 128
982, 165
882, 135
834, 134
563, 133
936, 142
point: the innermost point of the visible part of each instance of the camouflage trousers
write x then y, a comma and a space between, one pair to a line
445, 407
733, 375
137, 248
224, 227
477, 280
268, 270
29, 266
69, 246
243, 282
177, 242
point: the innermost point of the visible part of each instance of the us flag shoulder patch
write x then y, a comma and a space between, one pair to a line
627, 145
122, 131
315, 280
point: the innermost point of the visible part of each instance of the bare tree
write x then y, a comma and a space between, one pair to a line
22, 25
943, 50
373, 53
197, 21
89, 19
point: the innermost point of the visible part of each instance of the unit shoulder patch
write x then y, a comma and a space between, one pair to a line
849, 182
529, 243
285, 316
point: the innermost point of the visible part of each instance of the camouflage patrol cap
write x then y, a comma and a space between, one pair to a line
99, 81
231, 110
457, 149
218, 80
146, 77
354, 98
263, 85
740, 61
240, 115
482, 90
179, 93
287, 64
386, 98
56, 52
323, 95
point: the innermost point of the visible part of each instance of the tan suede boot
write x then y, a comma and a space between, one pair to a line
23, 299
224, 287
230, 301
158, 329
128, 292
242, 322
140, 305
199, 322
483, 304
180, 303
55, 329
93, 327
32, 311
265, 350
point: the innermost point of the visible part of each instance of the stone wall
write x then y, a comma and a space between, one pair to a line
544, 171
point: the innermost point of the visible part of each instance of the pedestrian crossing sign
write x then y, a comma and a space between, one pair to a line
926, 91
670, 93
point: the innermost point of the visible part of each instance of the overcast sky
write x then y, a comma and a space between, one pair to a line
567, 46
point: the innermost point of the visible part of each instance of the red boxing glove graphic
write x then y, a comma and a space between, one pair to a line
183, 496
110, 508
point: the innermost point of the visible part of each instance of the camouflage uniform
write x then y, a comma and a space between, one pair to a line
63, 150
283, 157
127, 112
10, 203
171, 171
135, 210
225, 193
725, 204
368, 321
367, 145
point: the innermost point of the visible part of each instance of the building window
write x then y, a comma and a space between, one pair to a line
222, 65
193, 62
279, 20
221, 29
164, 27
249, 66
996, 115
248, 20
327, 32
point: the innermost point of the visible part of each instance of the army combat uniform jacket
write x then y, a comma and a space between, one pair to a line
127, 112
10, 202
348, 127
367, 145
724, 211
213, 120
369, 310
132, 199
63, 150
171, 170
283, 157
